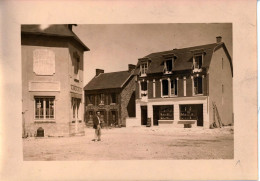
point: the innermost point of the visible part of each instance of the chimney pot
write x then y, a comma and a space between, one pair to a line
219, 39
99, 71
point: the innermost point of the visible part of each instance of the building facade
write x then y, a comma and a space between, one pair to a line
186, 87
113, 95
52, 81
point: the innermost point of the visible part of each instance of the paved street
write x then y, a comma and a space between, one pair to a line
134, 144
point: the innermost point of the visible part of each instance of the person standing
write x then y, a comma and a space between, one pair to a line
97, 127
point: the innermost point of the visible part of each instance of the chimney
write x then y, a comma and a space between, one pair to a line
71, 25
131, 67
219, 39
99, 71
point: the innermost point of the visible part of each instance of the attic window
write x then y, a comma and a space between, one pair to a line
143, 68
197, 61
168, 66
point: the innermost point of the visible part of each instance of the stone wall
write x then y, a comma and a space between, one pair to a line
128, 100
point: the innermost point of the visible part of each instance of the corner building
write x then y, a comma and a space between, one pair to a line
52, 81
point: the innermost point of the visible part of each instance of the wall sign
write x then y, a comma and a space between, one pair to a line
76, 89
43, 62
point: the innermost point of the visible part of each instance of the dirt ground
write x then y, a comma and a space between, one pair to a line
136, 143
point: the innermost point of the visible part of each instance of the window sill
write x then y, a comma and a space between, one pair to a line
45, 121
168, 72
197, 94
143, 75
197, 70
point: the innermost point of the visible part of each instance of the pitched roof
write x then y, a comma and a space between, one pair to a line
184, 58
52, 30
109, 80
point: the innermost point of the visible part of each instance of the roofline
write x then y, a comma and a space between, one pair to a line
228, 55
75, 37
127, 79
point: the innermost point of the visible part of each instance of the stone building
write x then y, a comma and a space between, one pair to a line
52, 81
113, 95
186, 87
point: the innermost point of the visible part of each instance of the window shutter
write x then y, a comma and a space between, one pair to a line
200, 85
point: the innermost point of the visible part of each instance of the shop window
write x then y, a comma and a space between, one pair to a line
168, 65
90, 116
197, 85
143, 89
143, 69
198, 62
188, 112
166, 112
44, 107
165, 87
113, 98
174, 87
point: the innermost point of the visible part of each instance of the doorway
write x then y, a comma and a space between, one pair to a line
143, 115
156, 115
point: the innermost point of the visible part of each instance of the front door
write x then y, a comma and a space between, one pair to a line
143, 115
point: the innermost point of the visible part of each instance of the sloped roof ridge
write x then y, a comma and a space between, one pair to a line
175, 50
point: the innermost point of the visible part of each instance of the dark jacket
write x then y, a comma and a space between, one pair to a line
96, 122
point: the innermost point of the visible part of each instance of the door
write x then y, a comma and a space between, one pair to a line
143, 115
156, 115
114, 116
200, 114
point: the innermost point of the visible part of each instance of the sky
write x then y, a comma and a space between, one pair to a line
114, 46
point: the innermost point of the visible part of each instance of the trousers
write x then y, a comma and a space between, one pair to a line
98, 132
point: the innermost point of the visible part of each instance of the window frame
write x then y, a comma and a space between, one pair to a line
166, 71
44, 106
194, 61
163, 88
194, 79
175, 87
143, 69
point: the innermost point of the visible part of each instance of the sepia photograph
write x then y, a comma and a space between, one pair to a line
127, 92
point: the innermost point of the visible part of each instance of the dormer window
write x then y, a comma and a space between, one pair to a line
168, 65
197, 61
143, 68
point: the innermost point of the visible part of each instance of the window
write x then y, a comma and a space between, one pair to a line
76, 68
198, 62
143, 69
113, 98
165, 87
44, 107
198, 85
166, 112
168, 66
143, 89
75, 107
91, 99
102, 99
174, 87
